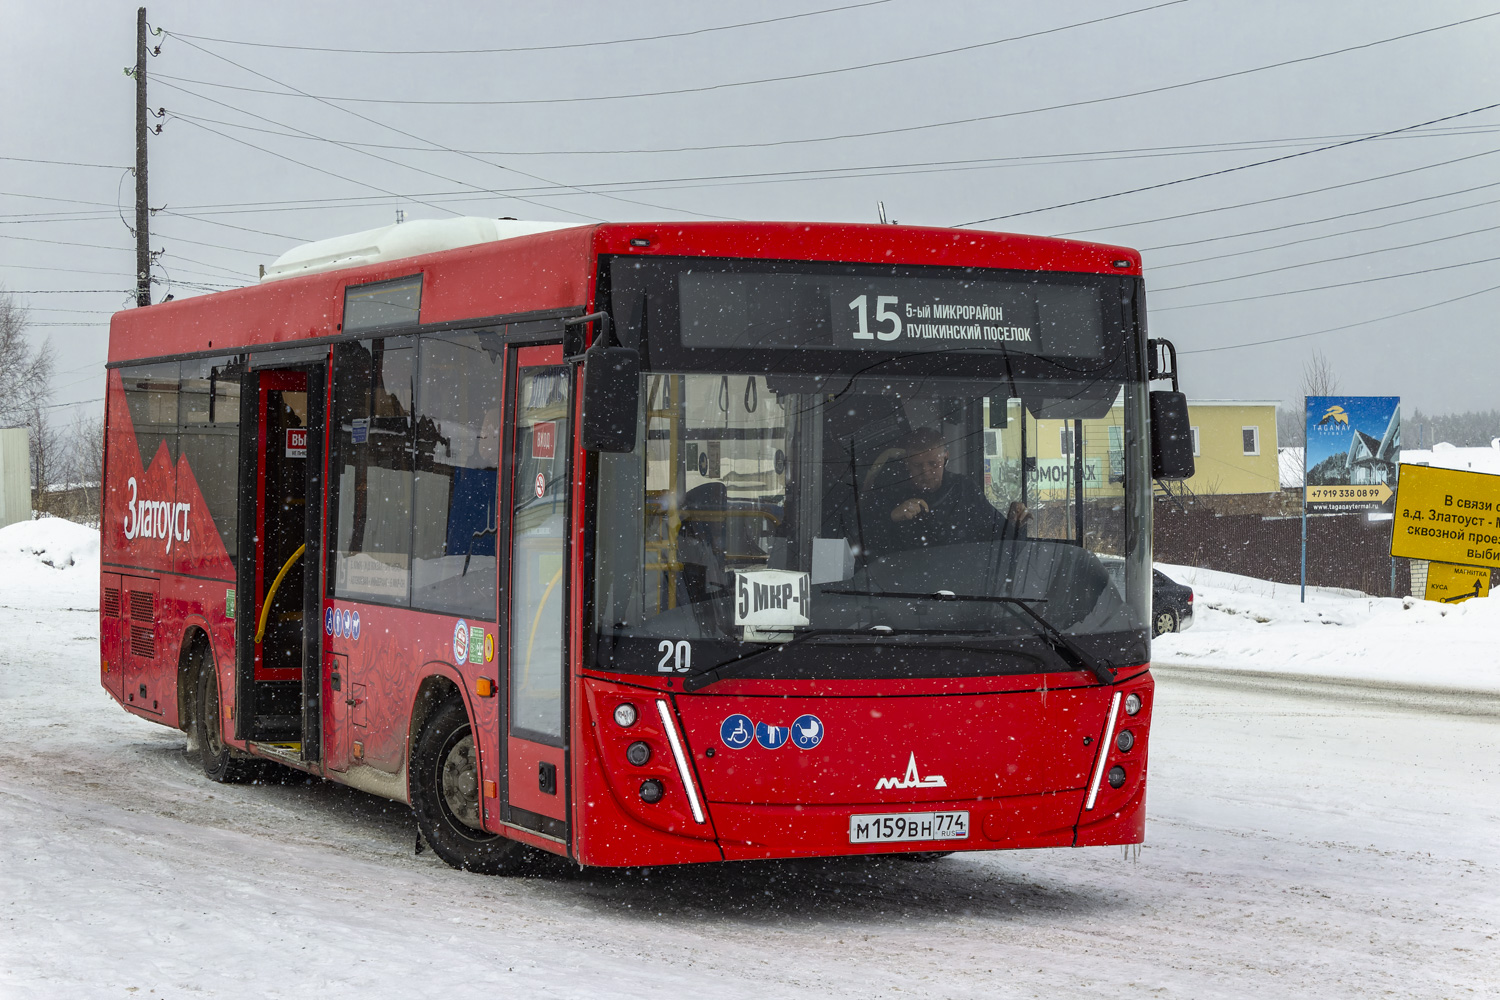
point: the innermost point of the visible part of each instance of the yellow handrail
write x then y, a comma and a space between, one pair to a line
265, 609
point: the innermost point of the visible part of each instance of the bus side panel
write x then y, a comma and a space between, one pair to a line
388, 653
156, 525
111, 667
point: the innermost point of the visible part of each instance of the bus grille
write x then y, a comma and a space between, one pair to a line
143, 641
142, 606
111, 602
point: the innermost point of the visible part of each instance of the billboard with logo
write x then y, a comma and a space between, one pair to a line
1353, 452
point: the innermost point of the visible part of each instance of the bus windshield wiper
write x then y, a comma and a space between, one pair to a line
712, 675
1065, 647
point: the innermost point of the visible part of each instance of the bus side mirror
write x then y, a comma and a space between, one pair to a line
611, 398
1171, 437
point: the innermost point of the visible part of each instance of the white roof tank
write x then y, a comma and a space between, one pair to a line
404, 239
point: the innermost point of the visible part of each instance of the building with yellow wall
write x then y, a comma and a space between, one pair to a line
1234, 447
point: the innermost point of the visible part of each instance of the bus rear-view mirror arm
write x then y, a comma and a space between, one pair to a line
611, 389
1171, 431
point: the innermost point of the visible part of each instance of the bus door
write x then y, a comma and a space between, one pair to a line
535, 726
278, 631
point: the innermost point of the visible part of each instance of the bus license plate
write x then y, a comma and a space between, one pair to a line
895, 827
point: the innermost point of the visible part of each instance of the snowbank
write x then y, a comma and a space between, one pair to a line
49, 564
1248, 624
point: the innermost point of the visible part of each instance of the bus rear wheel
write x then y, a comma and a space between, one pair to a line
221, 762
445, 797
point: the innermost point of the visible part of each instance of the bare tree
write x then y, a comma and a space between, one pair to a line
48, 462
85, 467
1291, 426
1319, 377
25, 371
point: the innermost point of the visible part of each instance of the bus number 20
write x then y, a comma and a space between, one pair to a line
675, 656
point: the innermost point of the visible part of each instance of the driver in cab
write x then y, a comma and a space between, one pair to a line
933, 506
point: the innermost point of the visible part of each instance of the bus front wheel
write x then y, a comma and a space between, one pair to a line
445, 797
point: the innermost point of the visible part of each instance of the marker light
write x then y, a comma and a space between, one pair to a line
1116, 778
1132, 703
652, 791
625, 714
638, 753
1125, 740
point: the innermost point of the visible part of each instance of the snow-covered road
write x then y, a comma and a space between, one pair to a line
1296, 847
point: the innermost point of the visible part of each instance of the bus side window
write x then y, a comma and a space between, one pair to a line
457, 475
374, 430
208, 408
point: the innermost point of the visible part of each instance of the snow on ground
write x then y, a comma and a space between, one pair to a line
1248, 624
1296, 847
50, 563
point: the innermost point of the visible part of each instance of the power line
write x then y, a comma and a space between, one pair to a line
71, 291
1284, 197
700, 89
418, 138
1325, 260
1323, 288
1002, 115
1329, 218
372, 187
1127, 153
61, 243
533, 48
64, 163
1346, 326
1327, 236
1229, 170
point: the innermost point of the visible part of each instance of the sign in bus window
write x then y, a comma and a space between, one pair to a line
540, 493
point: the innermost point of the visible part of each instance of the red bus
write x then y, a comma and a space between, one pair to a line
646, 544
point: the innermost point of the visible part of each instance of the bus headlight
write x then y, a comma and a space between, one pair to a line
1116, 778
625, 714
1132, 703
1125, 740
652, 791
638, 753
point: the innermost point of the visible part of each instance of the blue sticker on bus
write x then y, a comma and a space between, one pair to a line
328, 621
355, 621
737, 731
770, 736
807, 732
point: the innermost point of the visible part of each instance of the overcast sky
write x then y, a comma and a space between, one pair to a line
880, 108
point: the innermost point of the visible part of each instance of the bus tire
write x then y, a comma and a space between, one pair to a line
445, 797
221, 762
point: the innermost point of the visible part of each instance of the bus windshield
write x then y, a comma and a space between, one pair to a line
849, 520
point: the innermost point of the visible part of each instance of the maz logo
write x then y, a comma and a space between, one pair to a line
156, 518
911, 780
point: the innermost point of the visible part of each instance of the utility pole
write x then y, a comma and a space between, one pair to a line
142, 206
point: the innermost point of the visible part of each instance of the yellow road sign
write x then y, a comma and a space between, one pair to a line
1452, 584
1374, 493
1447, 516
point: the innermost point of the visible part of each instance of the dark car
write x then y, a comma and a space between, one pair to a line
1171, 604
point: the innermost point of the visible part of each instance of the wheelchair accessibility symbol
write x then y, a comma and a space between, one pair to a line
737, 731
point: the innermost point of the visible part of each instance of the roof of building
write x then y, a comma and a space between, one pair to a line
1233, 402
1447, 456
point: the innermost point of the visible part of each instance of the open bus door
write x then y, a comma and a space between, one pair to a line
534, 730
278, 637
